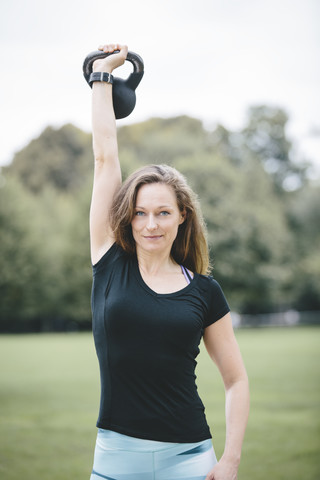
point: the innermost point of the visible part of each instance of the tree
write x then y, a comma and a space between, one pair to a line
304, 220
262, 237
45, 277
161, 140
249, 240
60, 157
265, 137
23, 262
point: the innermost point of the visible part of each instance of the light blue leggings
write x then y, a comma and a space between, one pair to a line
119, 457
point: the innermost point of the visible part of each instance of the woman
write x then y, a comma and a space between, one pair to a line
152, 303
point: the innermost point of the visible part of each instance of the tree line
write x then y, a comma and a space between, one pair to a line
259, 205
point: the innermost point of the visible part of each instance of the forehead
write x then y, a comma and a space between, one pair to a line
156, 194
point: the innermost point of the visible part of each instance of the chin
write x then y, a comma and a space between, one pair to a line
152, 245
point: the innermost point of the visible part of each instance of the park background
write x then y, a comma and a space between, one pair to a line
231, 98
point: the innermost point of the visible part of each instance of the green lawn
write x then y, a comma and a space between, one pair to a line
49, 398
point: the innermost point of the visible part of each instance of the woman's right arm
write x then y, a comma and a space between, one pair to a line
107, 173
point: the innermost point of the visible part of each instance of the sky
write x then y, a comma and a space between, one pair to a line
210, 59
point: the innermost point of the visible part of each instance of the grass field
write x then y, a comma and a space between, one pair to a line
49, 397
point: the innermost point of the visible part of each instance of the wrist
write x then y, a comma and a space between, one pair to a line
97, 68
101, 65
100, 77
231, 458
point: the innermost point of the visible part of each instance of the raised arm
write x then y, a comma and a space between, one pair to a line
107, 173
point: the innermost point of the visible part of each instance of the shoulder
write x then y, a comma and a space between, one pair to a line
113, 255
209, 284
215, 298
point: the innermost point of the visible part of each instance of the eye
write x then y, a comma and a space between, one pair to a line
139, 213
164, 213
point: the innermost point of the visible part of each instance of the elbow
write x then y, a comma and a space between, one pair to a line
104, 147
239, 393
100, 157
240, 381
105, 155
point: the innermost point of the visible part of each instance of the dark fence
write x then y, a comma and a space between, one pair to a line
290, 318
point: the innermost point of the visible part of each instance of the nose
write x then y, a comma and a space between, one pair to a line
152, 224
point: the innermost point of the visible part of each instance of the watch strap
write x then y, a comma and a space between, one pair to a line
100, 77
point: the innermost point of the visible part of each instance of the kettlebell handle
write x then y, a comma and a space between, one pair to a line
134, 58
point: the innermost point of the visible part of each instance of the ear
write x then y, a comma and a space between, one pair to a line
183, 216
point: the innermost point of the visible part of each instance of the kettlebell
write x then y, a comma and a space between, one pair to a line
123, 90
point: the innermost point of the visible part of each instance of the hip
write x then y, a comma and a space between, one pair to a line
119, 456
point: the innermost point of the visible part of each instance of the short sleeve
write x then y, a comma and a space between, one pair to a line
218, 304
107, 259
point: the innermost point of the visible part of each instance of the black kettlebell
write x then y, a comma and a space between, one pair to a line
123, 90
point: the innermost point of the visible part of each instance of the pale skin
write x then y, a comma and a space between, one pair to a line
154, 226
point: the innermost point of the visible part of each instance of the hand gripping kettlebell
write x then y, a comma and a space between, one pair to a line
123, 91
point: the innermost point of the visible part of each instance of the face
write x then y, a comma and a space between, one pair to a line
156, 219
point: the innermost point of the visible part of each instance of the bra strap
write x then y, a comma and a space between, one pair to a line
186, 274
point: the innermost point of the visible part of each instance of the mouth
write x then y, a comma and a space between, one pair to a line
152, 237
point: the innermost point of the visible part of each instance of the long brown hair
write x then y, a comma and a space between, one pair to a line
190, 247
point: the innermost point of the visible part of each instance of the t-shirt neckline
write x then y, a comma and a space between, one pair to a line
156, 294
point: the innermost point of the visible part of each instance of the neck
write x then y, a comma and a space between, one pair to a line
153, 264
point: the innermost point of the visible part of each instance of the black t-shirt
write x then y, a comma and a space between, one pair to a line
147, 344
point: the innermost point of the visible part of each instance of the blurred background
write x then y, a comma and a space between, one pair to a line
230, 97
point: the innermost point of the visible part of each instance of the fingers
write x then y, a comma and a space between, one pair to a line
109, 48
111, 62
112, 47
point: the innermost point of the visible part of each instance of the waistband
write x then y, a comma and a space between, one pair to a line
110, 440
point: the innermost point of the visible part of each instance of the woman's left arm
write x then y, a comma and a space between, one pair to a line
223, 348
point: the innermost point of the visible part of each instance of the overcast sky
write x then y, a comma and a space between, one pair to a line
211, 59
